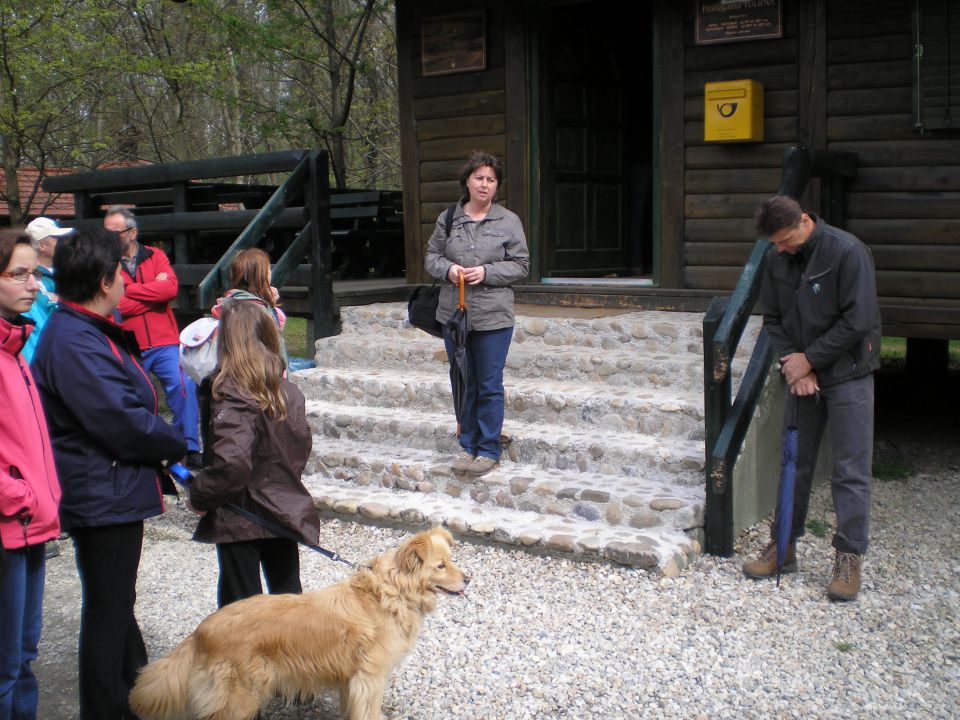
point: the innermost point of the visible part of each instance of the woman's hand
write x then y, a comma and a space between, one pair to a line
474, 275
453, 274
274, 295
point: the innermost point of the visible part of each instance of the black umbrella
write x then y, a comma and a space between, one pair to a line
459, 363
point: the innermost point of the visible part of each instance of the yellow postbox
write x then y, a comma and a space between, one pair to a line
733, 111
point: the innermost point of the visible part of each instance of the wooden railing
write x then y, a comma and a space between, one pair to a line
726, 422
172, 206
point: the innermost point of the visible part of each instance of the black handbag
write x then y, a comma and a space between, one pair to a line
422, 309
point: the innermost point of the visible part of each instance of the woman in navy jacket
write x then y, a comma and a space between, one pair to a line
108, 443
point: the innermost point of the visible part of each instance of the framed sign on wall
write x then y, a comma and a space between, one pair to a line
731, 20
453, 43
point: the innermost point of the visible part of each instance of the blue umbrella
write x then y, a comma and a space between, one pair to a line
459, 361
783, 521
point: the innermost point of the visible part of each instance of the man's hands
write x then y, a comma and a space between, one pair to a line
799, 374
471, 276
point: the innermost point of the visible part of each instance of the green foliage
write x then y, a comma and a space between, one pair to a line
891, 465
295, 336
846, 647
820, 528
89, 82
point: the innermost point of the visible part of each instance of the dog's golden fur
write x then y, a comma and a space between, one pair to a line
348, 637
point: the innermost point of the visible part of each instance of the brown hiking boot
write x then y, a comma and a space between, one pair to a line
846, 577
462, 462
765, 566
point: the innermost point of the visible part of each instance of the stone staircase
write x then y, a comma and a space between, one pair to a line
603, 448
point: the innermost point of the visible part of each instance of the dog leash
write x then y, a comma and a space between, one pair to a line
183, 477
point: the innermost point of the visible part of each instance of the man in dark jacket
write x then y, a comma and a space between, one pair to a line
149, 286
819, 301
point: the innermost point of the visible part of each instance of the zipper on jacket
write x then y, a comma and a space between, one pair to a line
138, 276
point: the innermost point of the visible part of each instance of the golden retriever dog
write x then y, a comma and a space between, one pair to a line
347, 637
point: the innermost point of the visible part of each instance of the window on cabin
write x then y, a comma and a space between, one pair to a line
936, 71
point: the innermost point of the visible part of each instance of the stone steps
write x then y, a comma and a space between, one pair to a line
549, 447
651, 410
617, 368
633, 501
666, 550
603, 455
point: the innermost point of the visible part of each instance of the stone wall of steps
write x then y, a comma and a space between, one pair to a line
603, 454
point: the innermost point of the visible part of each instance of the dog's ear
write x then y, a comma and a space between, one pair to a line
413, 553
444, 534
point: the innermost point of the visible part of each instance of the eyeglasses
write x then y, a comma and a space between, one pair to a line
21, 276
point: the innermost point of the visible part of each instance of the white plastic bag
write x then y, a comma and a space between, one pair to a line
198, 348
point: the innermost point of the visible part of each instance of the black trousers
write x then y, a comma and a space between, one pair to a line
240, 564
111, 646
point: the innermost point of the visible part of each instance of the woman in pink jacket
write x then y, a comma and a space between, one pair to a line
29, 492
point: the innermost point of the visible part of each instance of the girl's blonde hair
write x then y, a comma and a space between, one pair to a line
248, 352
250, 271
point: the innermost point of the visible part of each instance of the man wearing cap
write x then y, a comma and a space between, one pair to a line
149, 284
43, 234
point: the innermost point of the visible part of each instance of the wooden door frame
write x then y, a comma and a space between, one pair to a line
669, 147
668, 150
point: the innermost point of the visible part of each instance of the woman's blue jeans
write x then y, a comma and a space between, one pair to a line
481, 416
21, 607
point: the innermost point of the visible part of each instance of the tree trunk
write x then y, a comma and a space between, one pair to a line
11, 164
338, 154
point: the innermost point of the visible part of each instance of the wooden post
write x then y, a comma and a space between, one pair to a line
322, 301
718, 511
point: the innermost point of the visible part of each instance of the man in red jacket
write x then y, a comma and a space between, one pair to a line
149, 285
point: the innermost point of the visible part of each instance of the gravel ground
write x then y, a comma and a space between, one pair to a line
541, 637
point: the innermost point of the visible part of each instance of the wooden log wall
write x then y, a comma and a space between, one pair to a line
840, 78
443, 119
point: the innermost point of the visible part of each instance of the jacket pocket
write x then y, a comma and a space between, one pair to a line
115, 478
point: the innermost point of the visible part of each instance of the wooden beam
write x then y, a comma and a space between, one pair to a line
168, 173
668, 161
812, 87
409, 152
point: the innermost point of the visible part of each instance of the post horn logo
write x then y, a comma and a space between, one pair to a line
727, 109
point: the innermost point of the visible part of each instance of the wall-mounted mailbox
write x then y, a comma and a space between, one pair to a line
733, 111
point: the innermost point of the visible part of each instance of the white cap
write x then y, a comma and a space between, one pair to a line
44, 227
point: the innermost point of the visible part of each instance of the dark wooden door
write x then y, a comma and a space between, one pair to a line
582, 187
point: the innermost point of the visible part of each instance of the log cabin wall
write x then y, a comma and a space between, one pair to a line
840, 78
445, 117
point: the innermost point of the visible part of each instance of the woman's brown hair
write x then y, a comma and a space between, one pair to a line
250, 271
479, 159
9, 239
248, 353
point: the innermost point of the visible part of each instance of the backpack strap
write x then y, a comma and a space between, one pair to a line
448, 219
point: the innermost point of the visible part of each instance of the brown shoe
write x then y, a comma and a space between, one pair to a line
481, 465
462, 462
766, 565
846, 577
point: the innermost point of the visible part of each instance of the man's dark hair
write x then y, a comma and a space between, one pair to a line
479, 159
777, 213
83, 260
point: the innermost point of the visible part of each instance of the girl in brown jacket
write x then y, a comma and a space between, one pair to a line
256, 444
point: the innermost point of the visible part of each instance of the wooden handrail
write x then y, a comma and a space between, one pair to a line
726, 423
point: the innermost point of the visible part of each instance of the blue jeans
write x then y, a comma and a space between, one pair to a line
21, 607
180, 390
481, 416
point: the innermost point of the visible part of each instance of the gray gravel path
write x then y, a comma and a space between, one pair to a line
541, 637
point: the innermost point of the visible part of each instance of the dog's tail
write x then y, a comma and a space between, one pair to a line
162, 689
